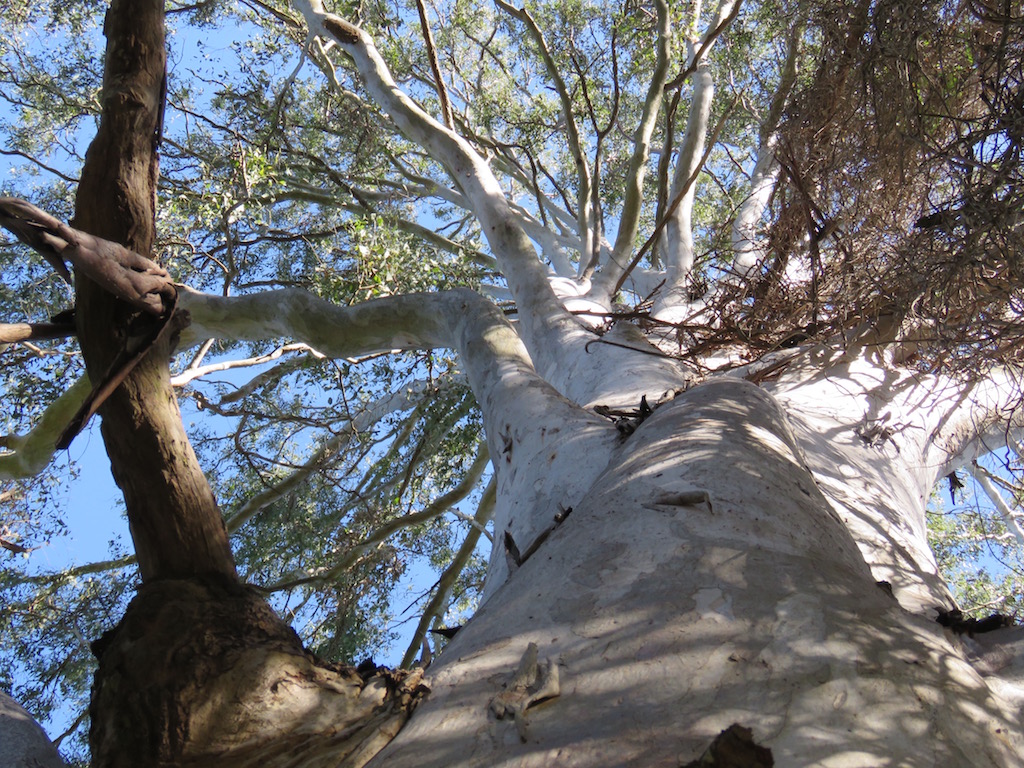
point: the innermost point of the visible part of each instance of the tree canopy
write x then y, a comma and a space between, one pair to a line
732, 181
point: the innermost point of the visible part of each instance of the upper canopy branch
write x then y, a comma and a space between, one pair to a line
629, 220
547, 327
572, 133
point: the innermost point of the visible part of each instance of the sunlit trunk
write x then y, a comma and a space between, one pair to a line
704, 580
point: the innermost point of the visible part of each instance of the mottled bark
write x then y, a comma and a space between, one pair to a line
704, 582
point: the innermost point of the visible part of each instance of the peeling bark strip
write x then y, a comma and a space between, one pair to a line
535, 680
125, 274
129, 276
231, 685
120, 369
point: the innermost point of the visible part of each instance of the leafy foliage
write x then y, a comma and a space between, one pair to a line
898, 140
977, 554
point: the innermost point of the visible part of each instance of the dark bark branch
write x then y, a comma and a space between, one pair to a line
176, 524
129, 276
435, 66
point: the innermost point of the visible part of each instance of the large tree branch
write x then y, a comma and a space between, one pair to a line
175, 522
1010, 519
748, 249
11, 333
547, 327
27, 455
25, 742
584, 210
973, 418
508, 389
678, 242
629, 218
727, 13
679, 255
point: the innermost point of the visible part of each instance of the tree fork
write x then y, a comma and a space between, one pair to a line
225, 682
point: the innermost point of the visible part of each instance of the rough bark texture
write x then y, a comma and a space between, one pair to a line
176, 525
202, 672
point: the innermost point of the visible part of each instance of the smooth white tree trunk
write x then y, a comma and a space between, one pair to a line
705, 578
754, 553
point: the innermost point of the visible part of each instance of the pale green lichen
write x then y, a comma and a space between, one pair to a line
27, 455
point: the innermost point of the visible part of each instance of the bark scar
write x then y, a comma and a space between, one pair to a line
512, 550
688, 498
535, 680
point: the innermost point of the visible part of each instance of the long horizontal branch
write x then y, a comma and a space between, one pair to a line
15, 332
404, 322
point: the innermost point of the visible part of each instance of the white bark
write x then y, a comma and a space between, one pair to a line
705, 579
551, 334
1010, 518
546, 325
717, 566
629, 220
749, 247
584, 211
535, 487
678, 240
678, 243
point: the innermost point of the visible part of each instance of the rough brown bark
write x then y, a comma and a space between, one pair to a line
200, 671
176, 525
225, 682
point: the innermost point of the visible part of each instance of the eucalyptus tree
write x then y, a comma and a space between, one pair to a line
720, 293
